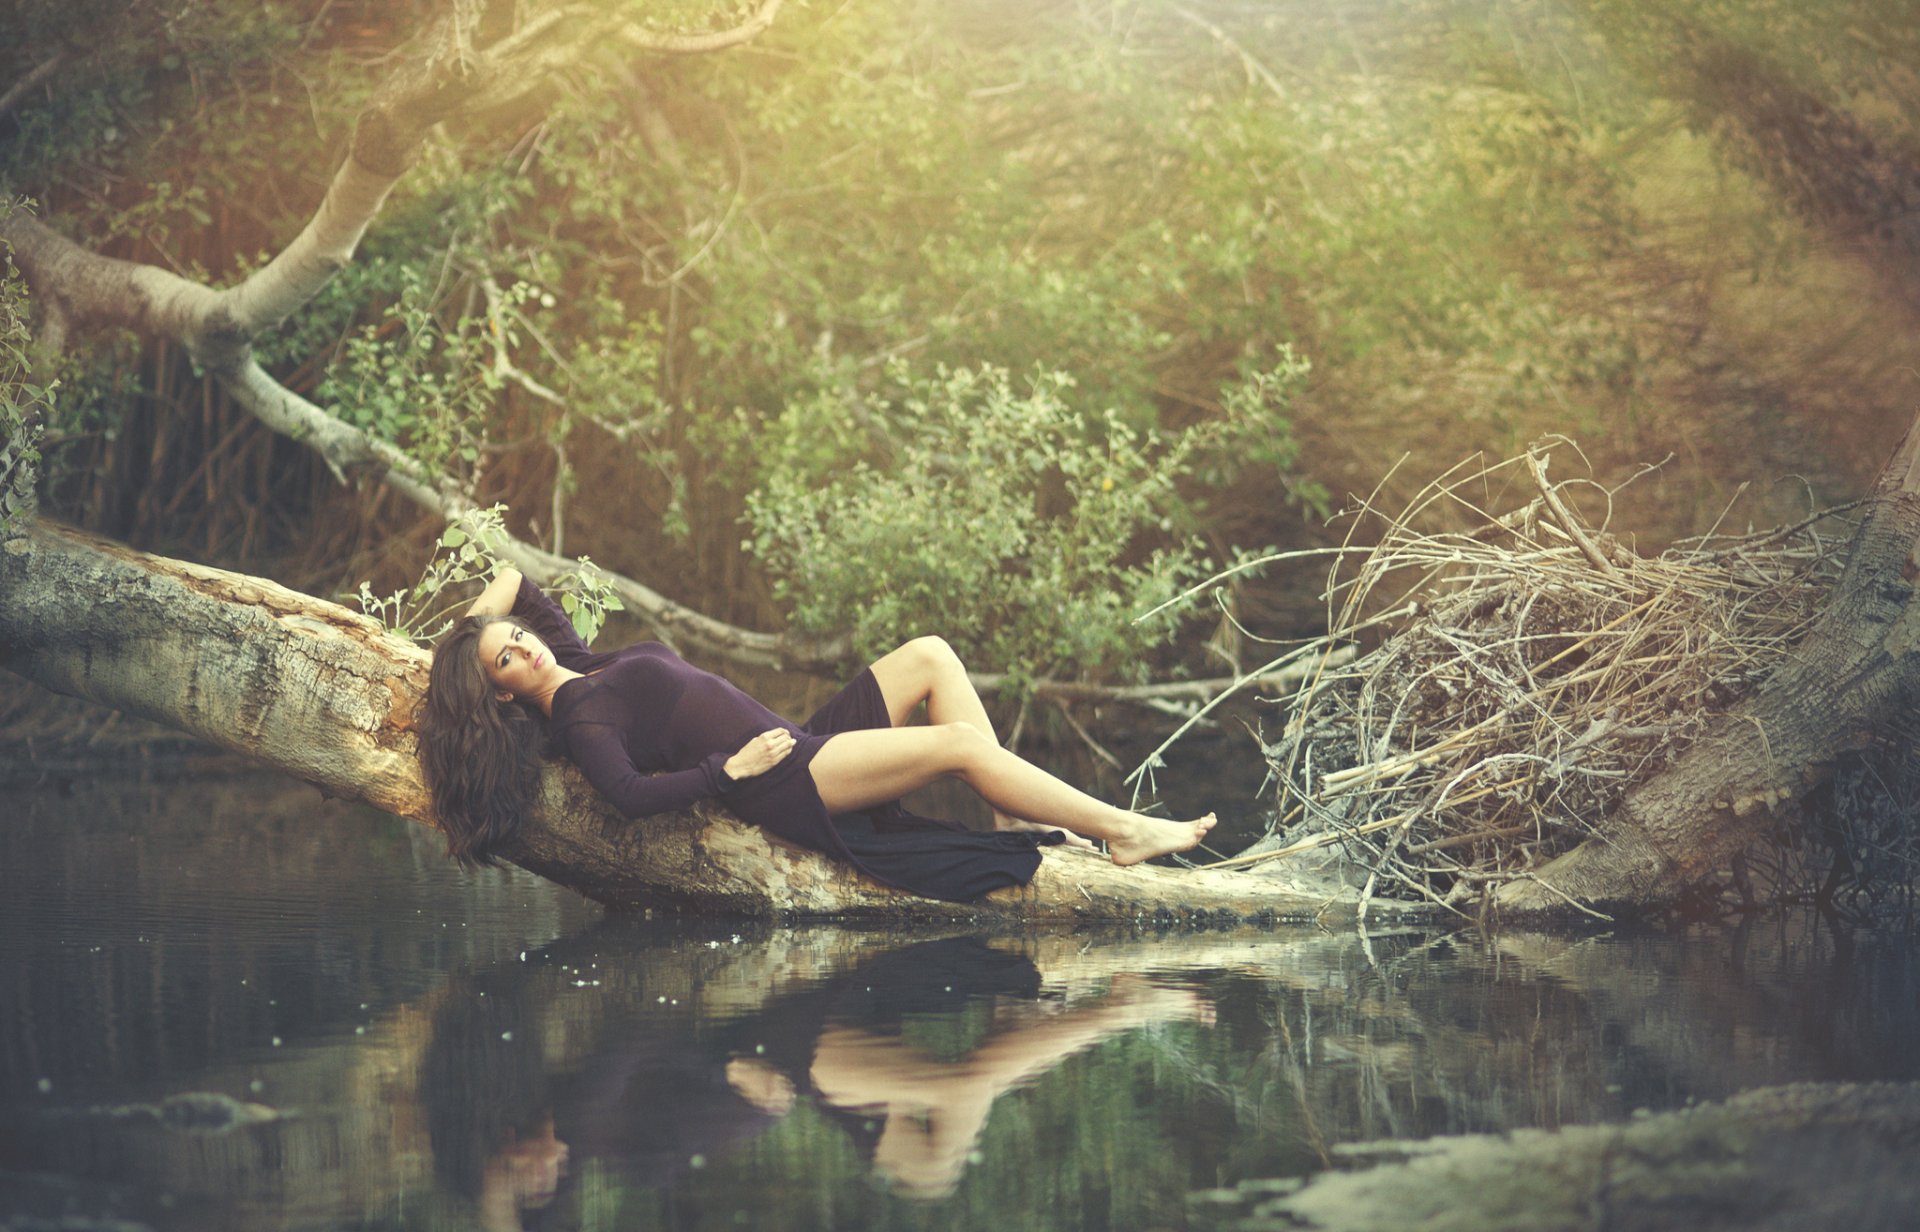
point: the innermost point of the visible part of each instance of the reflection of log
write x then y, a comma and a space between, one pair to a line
1702, 1016
1811, 1156
322, 693
1852, 680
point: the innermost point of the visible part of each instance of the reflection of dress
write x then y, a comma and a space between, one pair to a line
651, 732
648, 1105
928, 984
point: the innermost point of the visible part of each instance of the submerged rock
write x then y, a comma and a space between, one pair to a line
205, 1112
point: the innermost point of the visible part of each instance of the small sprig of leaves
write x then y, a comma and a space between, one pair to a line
586, 595
469, 550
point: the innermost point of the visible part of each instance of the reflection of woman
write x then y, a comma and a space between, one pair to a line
654, 1104
655, 734
931, 1112
885, 1052
489, 1112
917, 1113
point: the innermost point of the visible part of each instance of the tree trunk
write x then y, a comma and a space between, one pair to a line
324, 694
1854, 678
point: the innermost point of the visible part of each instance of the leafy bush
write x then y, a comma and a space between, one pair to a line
1026, 532
20, 400
416, 380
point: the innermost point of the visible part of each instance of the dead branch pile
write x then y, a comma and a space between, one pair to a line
1542, 668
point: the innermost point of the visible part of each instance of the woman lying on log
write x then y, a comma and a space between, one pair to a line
655, 734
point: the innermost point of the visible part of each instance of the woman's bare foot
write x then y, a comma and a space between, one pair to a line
1152, 837
1158, 1001
1003, 822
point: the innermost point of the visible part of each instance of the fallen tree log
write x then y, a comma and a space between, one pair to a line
1808, 1156
1853, 681
326, 695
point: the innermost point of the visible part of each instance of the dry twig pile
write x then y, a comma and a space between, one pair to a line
1540, 668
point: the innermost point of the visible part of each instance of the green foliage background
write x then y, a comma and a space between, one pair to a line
19, 431
852, 326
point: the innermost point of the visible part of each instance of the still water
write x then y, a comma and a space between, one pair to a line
229, 1004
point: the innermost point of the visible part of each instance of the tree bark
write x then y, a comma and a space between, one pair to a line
1852, 679
324, 694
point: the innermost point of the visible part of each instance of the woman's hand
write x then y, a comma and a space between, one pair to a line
762, 753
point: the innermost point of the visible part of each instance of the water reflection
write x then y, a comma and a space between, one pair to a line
483, 1086
902, 1055
313, 1028
917, 1114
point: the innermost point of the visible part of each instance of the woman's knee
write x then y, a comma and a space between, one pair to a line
965, 745
933, 653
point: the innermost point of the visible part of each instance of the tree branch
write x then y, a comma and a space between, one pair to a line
297, 273
1166, 691
643, 39
449, 77
345, 447
92, 291
25, 86
1253, 67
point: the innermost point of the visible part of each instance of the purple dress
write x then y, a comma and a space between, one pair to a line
651, 732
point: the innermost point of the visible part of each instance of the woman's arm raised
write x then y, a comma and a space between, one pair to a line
497, 598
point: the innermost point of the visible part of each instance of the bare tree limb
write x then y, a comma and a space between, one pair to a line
346, 447
297, 273
1255, 70
643, 39
1169, 690
35, 77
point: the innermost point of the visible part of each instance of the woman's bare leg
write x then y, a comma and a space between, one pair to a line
927, 669
859, 769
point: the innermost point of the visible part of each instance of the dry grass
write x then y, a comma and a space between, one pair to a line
1539, 669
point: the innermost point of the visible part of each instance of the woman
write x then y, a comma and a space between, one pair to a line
655, 734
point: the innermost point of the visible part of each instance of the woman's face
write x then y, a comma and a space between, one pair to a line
532, 1167
514, 659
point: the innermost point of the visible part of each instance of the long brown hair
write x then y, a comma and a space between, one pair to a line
481, 755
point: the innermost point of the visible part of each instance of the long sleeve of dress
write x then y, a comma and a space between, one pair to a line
549, 622
600, 752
